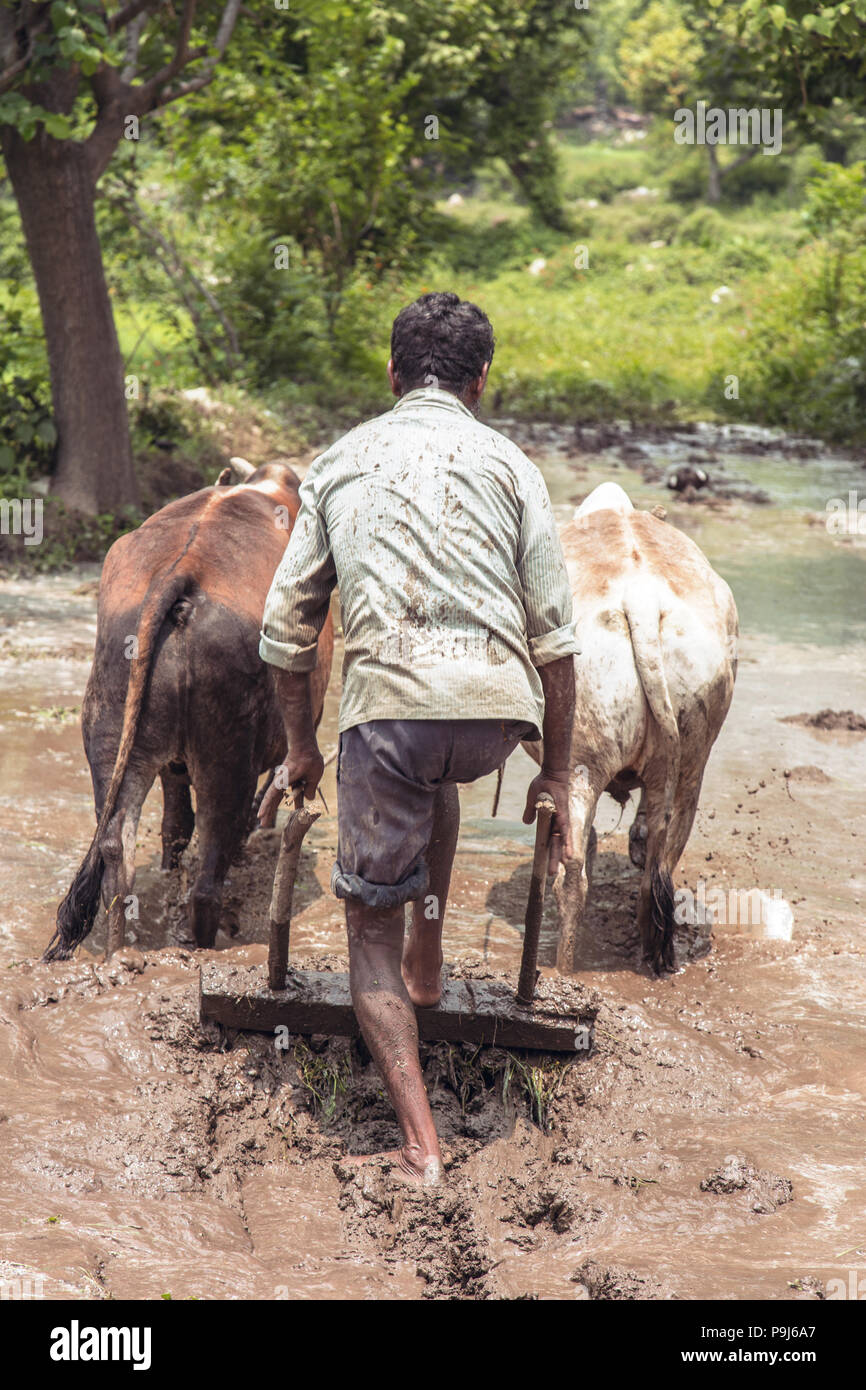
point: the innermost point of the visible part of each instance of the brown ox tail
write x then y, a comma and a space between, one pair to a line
643, 615
76, 914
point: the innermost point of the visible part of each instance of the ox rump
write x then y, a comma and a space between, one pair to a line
178, 691
657, 630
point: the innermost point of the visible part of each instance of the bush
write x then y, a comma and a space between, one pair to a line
27, 434
799, 368
601, 171
704, 227
763, 174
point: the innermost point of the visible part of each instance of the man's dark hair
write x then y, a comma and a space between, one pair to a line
440, 340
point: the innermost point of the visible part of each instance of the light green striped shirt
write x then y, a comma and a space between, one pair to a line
440, 534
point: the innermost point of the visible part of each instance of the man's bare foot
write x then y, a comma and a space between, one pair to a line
426, 1171
423, 981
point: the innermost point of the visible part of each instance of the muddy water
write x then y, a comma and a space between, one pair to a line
141, 1156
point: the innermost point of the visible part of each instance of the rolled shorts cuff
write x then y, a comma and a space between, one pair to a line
381, 895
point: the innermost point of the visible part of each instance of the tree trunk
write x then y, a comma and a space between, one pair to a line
714, 183
54, 187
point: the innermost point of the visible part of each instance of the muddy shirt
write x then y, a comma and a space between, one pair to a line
440, 534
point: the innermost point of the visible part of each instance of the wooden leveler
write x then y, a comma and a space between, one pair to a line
552, 1017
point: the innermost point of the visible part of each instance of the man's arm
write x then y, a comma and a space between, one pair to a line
303, 764
295, 613
548, 605
557, 681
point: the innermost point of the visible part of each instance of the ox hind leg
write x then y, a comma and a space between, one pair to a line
178, 818
571, 885
117, 847
663, 848
637, 834
222, 816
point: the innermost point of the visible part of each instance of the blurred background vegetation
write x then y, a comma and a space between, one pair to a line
259, 236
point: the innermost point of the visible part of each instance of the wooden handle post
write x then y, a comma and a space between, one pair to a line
294, 831
545, 811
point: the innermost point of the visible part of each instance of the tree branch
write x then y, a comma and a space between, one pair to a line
743, 159
176, 268
129, 13
151, 88
133, 38
118, 98
195, 84
9, 75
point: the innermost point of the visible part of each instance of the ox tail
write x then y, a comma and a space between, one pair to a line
77, 912
643, 615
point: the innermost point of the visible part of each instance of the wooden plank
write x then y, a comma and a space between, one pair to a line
474, 1011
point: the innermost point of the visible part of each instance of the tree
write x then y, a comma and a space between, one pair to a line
76, 79
816, 54
373, 108
679, 52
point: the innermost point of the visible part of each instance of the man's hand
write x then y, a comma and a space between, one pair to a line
556, 786
303, 766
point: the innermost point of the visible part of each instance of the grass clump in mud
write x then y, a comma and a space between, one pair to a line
325, 1076
475, 1072
541, 1082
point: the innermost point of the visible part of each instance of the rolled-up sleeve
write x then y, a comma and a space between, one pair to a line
547, 596
297, 604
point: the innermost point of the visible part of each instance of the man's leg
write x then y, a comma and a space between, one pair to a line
422, 954
387, 1021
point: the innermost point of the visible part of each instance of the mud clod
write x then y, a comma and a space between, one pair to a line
765, 1191
612, 1283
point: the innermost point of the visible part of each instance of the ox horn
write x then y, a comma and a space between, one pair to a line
239, 471
241, 468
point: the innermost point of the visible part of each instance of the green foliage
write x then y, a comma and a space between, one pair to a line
814, 54
805, 352
27, 434
660, 57
703, 227
76, 39
300, 204
602, 170
324, 1076
327, 158
835, 212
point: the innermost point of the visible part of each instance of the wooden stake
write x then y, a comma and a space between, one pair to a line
294, 831
544, 811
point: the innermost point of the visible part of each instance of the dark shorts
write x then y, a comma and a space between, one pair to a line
388, 772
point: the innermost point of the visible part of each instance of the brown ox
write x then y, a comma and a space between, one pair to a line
657, 628
178, 689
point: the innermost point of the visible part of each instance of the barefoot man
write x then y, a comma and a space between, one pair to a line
457, 616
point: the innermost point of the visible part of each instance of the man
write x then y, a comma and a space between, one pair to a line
457, 617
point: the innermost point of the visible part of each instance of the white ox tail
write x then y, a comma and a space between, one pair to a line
642, 611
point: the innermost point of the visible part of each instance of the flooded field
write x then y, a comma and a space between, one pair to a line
710, 1145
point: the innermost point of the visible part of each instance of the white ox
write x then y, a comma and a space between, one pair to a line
657, 628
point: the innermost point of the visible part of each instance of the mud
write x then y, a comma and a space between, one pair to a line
831, 721
145, 1155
